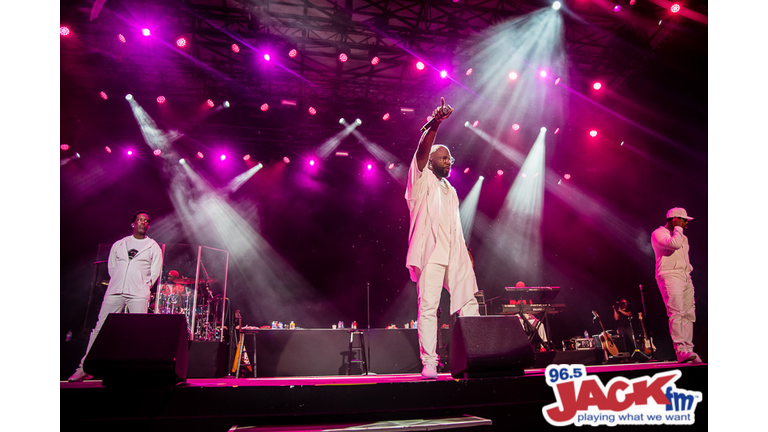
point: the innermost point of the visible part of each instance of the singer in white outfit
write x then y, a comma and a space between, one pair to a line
437, 254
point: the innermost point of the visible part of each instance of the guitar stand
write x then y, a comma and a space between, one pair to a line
638, 356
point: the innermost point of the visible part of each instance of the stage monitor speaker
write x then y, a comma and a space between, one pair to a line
140, 349
489, 346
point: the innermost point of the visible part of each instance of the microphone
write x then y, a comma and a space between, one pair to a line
446, 109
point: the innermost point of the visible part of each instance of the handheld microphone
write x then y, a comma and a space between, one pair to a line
446, 109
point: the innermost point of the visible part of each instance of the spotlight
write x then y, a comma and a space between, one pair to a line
675, 8
477, 122
481, 178
226, 104
103, 95
385, 117
157, 152
129, 152
597, 86
343, 57
556, 5
543, 129
64, 31
443, 74
593, 133
616, 8
390, 166
199, 155
161, 99
146, 32
121, 38
266, 57
181, 42
65, 147
223, 157
342, 121
286, 159
210, 103
466, 170
247, 157
311, 162
567, 176
557, 81
264, 107
513, 76
107, 149
312, 111
500, 172
557, 130
420, 65
293, 53
358, 122
469, 71
466, 124
375, 61
182, 161
235, 48
369, 166
543, 74
129, 97
515, 127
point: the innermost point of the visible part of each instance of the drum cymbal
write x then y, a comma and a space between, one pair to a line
184, 281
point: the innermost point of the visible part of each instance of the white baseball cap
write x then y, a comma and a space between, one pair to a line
678, 212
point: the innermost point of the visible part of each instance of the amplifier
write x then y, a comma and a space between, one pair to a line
584, 343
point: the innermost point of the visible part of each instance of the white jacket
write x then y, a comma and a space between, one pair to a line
134, 276
422, 195
671, 250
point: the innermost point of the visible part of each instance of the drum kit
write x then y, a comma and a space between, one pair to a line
178, 297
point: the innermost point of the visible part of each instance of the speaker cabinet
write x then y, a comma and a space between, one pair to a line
140, 349
486, 346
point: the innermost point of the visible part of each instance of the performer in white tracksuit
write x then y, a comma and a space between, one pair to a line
134, 265
673, 275
437, 254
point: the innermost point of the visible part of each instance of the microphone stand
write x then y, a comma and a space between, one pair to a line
642, 301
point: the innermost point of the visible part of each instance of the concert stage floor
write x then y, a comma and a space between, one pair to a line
362, 402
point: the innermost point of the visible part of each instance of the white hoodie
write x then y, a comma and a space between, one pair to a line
134, 276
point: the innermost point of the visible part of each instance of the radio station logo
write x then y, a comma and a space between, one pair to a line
585, 400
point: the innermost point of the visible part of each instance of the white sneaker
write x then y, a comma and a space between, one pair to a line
687, 357
429, 371
79, 375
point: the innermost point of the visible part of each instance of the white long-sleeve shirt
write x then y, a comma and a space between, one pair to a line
671, 250
425, 204
134, 275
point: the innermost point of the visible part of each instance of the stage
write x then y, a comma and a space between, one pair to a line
355, 402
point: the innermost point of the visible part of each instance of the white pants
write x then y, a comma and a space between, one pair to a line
115, 303
430, 287
681, 310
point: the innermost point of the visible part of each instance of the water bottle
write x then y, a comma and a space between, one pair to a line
69, 336
586, 334
293, 325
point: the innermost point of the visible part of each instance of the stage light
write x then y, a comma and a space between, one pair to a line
469, 71
358, 122
567, 176
556, 5
161, 99
264, 107
515, 127
223, 157
616, 8
675, 8
286, 160
65, 147
375, 60
477, 122
622, 143
543, 129
311, 162
288, 102
235, 48
443, 74
181, 42
247, 157
107, 149
226, 104
557, 81
500, 172
593, 133
390, 166
103, 95
523, 175
466, 170
157, 152
199, 155
210, 103
64, 31
129, 97
385, 117
121, 38
343, 57
543, 74
481, 178
513, 76
342, 121
342, 154
129, 152
557, 130
597, 86
631, 2
267, 57
420, 65
466, 124
146, 32
312, 111
293, 53
182, 161
369, 166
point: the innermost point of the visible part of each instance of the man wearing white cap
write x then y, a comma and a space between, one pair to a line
673, 275
437, 254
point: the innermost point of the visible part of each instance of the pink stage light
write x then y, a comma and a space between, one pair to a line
557, 81
107, 149
223, 157
466, 170
286, 160
500, 172
264, 107
65, 147
235, 48
293, 53
513, 76
157, 152
129, 152
631, 2
420, 65
567, 176
121, 38
161, 99
312, 162
543, 74
616, 8
390, 166
597, 86
523, 175
146, 32
477, 122
469, 71
557, 130
593, 133
675, 8
343, 57
247, 157
515, 127
103, 95
369, 166
199, 155
181, 42
385, 117
64, 31
312, 111
210, 103
267, 57
443, 74
375, 60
